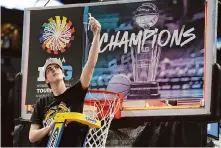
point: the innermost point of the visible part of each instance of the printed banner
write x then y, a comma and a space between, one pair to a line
54, 33
153, 52
149, 52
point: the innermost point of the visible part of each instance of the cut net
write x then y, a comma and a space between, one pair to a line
103, 106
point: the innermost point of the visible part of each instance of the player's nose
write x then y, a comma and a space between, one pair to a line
53, 69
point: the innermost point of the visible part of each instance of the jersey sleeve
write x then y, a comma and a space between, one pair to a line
36, 117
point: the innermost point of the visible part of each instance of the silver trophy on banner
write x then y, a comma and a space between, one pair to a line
146, 15
145, 61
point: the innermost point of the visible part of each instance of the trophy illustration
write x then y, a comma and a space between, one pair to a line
146, 15
145, 61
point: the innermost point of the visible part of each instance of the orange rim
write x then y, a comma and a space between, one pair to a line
104, 104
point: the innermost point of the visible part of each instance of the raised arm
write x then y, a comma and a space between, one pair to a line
93, 54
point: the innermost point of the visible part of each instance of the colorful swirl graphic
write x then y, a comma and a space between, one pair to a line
57, 34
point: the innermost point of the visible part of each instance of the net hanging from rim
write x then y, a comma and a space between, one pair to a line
103, 106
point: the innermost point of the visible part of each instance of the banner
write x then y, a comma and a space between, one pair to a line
156, 53
54, 34
150, 55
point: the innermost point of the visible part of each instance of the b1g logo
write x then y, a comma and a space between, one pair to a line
56, 35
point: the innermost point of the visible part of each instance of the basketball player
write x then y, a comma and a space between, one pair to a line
64, 99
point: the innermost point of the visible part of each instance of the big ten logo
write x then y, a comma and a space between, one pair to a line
145, 49
67, 69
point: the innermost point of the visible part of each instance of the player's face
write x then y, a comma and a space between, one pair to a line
54, 73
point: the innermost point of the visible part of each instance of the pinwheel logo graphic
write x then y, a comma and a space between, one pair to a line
56, 35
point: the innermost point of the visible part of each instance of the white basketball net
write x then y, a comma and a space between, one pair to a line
103, 111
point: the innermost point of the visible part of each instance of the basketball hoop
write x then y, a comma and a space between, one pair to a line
104, 106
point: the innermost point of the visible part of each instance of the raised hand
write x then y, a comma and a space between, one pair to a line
95, 26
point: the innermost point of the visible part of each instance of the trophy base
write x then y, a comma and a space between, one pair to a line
141, 90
